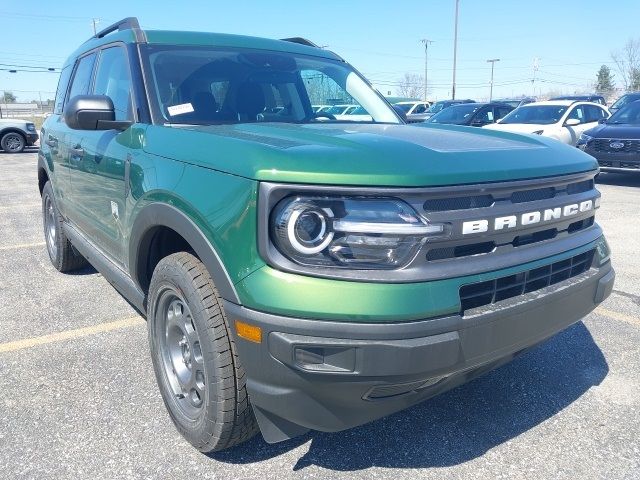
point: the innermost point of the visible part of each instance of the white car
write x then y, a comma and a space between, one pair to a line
415, 111
563, 120
358, 114
320, 108
341, 111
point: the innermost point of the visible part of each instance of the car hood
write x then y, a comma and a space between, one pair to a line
365, 154
615, 131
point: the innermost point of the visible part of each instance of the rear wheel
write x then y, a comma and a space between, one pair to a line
199, 374
61, 253
13, 142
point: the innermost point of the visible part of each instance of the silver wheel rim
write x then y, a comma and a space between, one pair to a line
50, 226
181, 353
13, 143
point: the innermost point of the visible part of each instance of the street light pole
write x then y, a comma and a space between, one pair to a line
492, 62
455, 52
426, 65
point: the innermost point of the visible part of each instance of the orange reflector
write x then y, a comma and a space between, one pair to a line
249, 332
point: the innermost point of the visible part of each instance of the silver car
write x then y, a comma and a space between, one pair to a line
16, 134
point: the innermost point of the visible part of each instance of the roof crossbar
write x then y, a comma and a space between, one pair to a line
129, 23
301, 41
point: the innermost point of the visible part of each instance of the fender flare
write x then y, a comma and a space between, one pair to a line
164, 215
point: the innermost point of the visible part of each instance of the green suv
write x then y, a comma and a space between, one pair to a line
300, 272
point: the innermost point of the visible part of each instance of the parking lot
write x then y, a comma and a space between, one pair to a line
79, 398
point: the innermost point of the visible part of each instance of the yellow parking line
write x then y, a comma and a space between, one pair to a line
71, 334
22, 245
617, 316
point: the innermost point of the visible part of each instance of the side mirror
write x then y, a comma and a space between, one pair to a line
92, 112
602, 120
572, 122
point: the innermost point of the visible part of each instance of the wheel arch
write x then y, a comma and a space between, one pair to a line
13, 130
155, 219
43, 173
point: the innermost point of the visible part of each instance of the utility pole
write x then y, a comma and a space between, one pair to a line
455, 53
426, 64
492, 62
533, 79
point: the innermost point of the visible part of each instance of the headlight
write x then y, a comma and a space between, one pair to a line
537, 132
342, 232
31, 127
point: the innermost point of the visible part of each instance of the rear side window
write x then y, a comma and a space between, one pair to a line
594, 113
82, 77
63, 83
113, 79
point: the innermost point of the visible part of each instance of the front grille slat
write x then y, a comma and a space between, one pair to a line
491, 291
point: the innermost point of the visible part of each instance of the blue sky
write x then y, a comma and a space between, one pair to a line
380, 38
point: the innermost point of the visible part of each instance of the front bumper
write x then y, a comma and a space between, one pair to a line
332, 375
616, 162
32, 138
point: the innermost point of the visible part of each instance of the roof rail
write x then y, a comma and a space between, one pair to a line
301, 41
129, 23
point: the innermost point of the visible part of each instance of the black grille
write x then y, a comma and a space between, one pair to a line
458, 203
460, 251
533, 195
492, 291
579, 187
612, 164
604, 145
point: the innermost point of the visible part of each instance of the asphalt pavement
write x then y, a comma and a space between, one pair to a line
79, 399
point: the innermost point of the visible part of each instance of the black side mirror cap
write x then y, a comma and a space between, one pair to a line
92, 112
602, 120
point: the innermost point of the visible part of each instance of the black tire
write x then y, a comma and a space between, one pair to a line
61, 253
200, 377
13, 142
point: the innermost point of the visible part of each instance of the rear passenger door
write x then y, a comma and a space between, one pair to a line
98, 184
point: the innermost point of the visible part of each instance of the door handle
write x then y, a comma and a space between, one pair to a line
51, 142
77, 151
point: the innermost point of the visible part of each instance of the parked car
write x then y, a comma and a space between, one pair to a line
442, 104
358, 114
340, 111
471, 114
284, 289
516, 102
320, 108
414, 111
624, 100
582, 98
615, 142
16, 134
564, 120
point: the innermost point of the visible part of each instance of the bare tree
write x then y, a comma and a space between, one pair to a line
9, 97
411, 86
628, 62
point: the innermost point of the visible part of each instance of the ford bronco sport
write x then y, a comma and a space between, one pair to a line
299, 272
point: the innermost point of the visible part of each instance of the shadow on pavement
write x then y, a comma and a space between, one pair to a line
459, 425
621, 179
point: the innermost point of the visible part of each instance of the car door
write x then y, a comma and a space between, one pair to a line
68, 141
571, 133
98, 184
501, 111
482, 117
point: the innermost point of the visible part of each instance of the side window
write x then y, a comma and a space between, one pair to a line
484, 116
577, 113
63, 84
114, 80
82, 77
502, 112
420, 108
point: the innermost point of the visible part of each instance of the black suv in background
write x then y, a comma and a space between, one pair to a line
442, 104
471, 114
625, 99
615, 142
582, 98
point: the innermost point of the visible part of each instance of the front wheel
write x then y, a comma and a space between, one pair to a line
200, 377
13, 142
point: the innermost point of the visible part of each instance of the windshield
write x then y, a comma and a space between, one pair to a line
337, 109
436, 107
405, 107
624, 100
358, 111
629, 114
536, 114
208, 86
456, 114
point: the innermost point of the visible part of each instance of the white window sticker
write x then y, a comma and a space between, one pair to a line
180, 109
